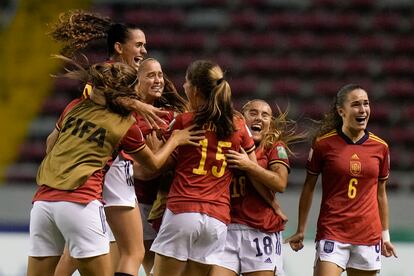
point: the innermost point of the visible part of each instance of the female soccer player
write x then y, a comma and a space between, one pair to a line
155, 89
68, 204
194, 224
125, 43
354, 165
253, 244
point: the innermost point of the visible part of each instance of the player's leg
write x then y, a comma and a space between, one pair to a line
67, 265
168, 266
97, 265
358, 272
221, 271
46, 242
123, 215
326, 268
331, 257
149, 235
365, 260
86, 236
42, 266
196, 268
126, 226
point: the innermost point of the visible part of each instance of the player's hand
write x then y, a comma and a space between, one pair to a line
238, 160
150, 113
388, 250
188, 136
153, 142
295, 241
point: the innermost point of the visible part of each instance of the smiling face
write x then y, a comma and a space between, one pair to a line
355, 112
151, 81
258, 116
133, 50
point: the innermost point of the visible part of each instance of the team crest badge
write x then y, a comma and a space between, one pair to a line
328, 247
355, 165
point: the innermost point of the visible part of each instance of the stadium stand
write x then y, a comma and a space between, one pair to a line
295, 53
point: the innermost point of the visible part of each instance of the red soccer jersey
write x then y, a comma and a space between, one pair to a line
247, 205
146, 191
133, 141
201, 181
350, 173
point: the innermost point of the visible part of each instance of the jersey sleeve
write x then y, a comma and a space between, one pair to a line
385, 165
133, 141
247, 142
65, 111
314, 162
278, 155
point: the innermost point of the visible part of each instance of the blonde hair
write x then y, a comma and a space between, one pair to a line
114, 80
208, 78
281, 129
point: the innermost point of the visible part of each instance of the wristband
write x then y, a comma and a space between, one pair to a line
386, 236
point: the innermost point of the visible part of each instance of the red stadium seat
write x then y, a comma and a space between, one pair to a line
32, 151
243, 86
387, 22
397, 66
232, 40
152, 17
286, 87
400, 88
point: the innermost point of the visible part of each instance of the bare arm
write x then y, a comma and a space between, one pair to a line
275, 179
388, 249
305, 203
51, 140
179, 137
150, 113
261, 178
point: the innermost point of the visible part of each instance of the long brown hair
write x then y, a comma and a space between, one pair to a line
170, 97
77, 28
332, 120
281, 129
114, 80
208, 78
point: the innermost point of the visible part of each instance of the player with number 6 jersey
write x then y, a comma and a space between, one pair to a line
354, 165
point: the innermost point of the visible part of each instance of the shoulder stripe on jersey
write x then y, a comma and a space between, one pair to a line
250, 149
376, 138
280, 162
329, 134
312, 172
137, 150
383, 178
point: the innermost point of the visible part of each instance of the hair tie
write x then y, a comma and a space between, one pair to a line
219, 81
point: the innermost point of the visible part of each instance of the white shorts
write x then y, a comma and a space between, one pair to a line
190, 236
148, 232
346, 255
82, 227
118, 187
250, 250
